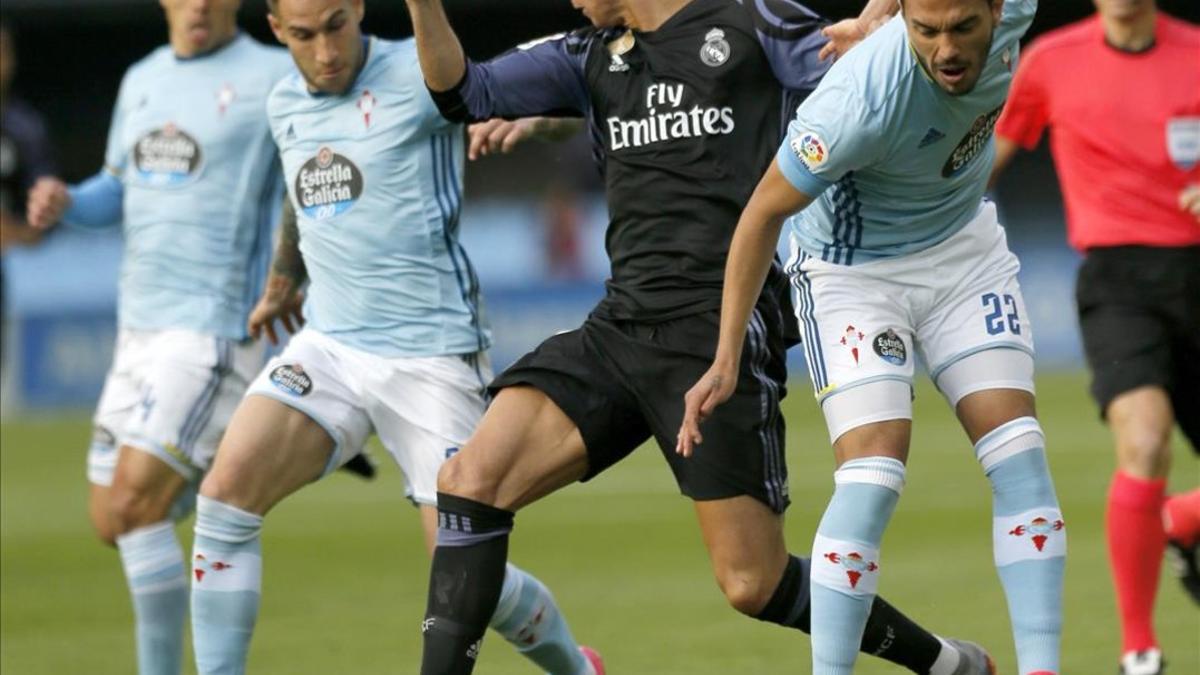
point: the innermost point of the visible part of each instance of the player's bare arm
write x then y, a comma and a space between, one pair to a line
441, 55
499, 136
282, 298
750, 256
1005, 151
848, 32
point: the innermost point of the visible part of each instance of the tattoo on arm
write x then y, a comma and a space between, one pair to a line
288, 262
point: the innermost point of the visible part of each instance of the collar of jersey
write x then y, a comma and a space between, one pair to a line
212, 52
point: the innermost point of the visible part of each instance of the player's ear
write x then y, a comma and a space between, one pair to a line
276, 26
997, 10
360, 9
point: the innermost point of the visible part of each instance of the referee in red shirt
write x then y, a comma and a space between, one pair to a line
1120, 92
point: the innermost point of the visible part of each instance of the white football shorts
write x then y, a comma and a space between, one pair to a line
170, 393
957, 305
422, 408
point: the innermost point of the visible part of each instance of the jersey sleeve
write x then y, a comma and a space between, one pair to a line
115, 154
833, 134
1027, 110
790, 35
1015, 19
543, 77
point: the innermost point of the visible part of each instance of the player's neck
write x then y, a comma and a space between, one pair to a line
1130, 35
184, 50
647, 16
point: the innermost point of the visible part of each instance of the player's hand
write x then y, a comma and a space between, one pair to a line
48, 201
845, 34
498, 136
1189, 200
278, 302
713, 389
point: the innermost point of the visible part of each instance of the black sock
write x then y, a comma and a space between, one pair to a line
788, 605
464, 584
889, 634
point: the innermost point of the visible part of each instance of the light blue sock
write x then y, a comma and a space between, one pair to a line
153, 562
528, 617
226, 586
1029, 539
845, 559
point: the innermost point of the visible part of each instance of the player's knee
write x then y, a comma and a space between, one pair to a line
104, 529
131, 507
746, 590
1144, 451
460, 477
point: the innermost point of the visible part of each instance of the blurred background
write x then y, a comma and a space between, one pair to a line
539, 214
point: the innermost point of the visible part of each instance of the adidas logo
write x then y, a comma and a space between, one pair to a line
291, 133
932, 136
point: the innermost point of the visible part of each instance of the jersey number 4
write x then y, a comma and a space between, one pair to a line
999, 319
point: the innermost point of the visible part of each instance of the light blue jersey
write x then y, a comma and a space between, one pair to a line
898, 164
375, 176
190, 143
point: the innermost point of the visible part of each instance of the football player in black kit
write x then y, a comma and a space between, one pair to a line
684, 102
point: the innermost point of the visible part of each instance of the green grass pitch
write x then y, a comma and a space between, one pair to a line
345, 576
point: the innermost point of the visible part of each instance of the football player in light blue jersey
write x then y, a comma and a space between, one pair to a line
895, 249
395, 342
191, 176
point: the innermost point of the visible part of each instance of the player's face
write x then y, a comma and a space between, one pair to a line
1123, 10
952, 39
324, 38
197, 26
602, 13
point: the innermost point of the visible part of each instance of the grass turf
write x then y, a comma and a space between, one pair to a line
344, 587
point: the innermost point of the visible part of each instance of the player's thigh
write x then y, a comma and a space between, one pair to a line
560, 413
269, 451
858, 340
524, 448
301, 418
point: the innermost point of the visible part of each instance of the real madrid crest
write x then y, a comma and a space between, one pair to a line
715, 50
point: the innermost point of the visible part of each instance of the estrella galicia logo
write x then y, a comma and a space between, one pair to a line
167, 157
292, 379
890, 347
972, 144
327, 185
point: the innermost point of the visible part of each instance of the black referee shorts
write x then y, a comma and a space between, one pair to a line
622, 382
1139, 311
